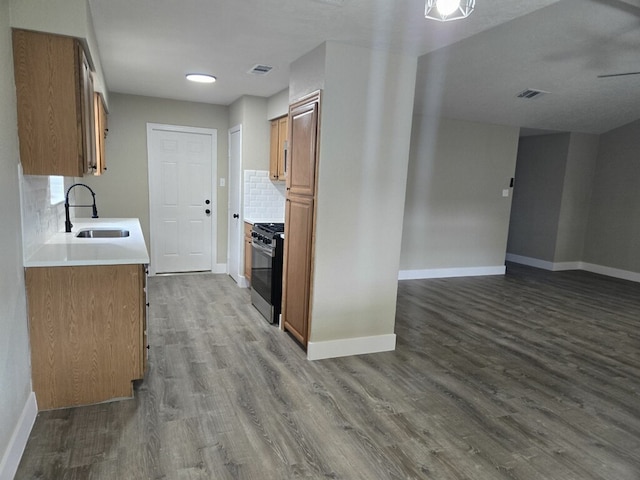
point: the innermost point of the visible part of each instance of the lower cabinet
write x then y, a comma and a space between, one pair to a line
87, 328
247, 251
297, 266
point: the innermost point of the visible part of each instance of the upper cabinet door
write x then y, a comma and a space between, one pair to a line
101, 131
54, 104
278, 152
87, 101
304, 130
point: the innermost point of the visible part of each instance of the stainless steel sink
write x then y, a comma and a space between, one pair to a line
102, 233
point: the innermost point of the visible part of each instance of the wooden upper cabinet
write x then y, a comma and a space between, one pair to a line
54, 91
303, 145
278, 154
101, 131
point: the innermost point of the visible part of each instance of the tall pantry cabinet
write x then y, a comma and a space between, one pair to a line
304, 130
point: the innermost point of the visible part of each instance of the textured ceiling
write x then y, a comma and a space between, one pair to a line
468, 69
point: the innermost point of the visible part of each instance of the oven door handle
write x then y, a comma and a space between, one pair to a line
270, 252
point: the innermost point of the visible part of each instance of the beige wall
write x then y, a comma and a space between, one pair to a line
123, 191
307, 73
15, 372
455, 215
251, 113
364, 149
613, 231
576, 197
278, 104
552, 198
537, 195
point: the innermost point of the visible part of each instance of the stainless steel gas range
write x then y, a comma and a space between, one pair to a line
266, 269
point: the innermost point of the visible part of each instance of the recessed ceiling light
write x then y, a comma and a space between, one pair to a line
201, 77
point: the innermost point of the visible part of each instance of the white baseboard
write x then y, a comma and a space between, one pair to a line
18, 441
450, 272
612, 272
351, 346
243, 282
531, 262
587, 267
219, 268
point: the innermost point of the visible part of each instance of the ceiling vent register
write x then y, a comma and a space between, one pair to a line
531, 93
260, 69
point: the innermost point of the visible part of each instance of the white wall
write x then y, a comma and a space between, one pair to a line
364, 150
123, 190
15, 372
455, 216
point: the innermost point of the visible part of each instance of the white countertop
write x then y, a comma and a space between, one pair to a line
253, 221
65, 249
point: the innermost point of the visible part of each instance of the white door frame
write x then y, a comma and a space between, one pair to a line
214, 189
242, 281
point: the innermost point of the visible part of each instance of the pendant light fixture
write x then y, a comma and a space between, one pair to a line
447, 10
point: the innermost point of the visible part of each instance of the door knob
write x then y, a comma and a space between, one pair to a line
207, 211
235, 215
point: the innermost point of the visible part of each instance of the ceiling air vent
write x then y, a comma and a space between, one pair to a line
531, 93
337, 3
260, 69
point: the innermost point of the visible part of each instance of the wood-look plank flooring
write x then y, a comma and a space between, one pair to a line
531, 375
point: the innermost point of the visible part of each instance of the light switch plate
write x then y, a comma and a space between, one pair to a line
505, 192
222, 182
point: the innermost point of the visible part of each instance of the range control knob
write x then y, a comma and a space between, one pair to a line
254, 234
267, 241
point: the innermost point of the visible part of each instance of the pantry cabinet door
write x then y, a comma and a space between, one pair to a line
303, 146
297, 266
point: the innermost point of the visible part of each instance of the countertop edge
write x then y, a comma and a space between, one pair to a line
66, 250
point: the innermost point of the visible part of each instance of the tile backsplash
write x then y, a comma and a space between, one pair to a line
263, 199
40, 219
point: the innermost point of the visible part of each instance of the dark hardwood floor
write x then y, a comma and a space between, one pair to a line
531, 375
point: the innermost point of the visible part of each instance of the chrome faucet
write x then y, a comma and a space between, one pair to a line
67, 220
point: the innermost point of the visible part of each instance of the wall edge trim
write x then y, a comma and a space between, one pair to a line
18, 441
451, 272
344, 347
587, 267
219, 268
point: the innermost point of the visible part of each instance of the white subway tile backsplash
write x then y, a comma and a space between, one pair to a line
263, 199
40, 219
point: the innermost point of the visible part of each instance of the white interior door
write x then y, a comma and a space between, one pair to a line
181, 197
235, 259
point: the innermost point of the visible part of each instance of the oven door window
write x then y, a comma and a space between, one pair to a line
261, 272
